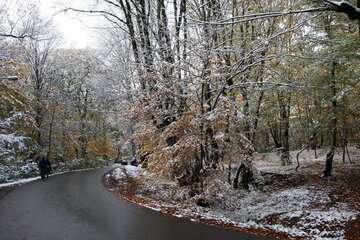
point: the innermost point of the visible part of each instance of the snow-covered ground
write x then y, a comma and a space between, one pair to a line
305, 210
270, 162
126, 171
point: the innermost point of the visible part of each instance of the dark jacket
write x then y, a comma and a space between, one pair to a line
44, 164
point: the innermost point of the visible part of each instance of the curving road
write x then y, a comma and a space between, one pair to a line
76, 206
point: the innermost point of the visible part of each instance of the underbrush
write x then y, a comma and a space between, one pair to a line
291, 205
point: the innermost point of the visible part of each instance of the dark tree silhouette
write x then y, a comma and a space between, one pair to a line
351, 10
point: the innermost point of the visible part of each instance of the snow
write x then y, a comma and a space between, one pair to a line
256, 206
28, 180
10, 121
12, 139
126, 171
290, 231
133, 171
292, 205
305, 211
317, 216
156, 209
305, 207
20, 182
270, 162
311, 221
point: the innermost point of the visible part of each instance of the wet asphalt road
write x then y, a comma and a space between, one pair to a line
76, 206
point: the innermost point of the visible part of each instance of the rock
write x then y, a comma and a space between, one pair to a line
171, 141
122, 162
202, 202
134, 162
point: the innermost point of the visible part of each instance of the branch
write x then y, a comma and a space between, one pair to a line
257, 16
94, 12
9, 35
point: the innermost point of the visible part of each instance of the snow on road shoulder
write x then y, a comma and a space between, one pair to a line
28, 180
20, 182
125, 171
303, 211
299, 206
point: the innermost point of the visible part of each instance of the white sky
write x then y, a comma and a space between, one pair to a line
77, 30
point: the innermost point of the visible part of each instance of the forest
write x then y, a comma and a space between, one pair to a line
193, 91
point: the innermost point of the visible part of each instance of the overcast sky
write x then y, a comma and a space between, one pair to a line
77, 30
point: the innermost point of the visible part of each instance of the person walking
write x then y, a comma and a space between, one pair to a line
44, 166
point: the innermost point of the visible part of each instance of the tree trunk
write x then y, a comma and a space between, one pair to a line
284, 107
51, 132
344, 140
83, 110
329, 162
257, 117
39, 115
246, 112
245, 175
333, 124
274, 132
358, 5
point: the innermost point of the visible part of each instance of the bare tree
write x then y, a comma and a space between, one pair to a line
16, 23
36, 53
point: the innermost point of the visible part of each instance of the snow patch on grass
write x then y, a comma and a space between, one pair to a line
293, 207
291, 231
319, 224
256, 206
